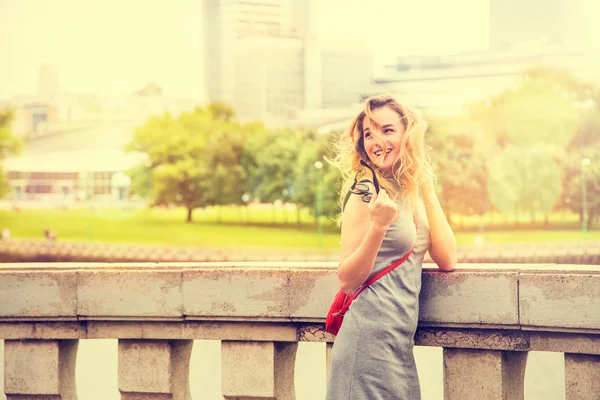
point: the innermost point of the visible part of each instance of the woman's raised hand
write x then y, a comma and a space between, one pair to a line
383, 210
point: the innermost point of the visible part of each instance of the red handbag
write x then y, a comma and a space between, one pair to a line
341, 302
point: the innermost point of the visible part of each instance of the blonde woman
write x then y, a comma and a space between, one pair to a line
390, 210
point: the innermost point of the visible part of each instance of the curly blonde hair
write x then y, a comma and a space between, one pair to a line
412, 168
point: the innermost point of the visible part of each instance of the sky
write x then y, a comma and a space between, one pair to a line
116, 47
108, 46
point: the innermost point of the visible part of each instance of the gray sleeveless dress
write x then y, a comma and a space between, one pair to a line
372, 356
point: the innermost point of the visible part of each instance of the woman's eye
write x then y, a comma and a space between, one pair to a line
367, 135
389, 130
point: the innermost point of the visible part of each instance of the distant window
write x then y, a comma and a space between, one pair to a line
37, 117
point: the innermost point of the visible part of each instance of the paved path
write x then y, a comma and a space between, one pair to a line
16, 250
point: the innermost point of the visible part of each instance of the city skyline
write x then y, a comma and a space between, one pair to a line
97, 50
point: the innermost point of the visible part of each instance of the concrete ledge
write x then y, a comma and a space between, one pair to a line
311, 292
468, 338
473, 339
151, 293
236, 293
459, 297
43, 294
485, 296
560, 300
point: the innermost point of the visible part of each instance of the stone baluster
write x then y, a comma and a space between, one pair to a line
328, 348
154, 369
40, 369
484, 374
582, 376
258, 370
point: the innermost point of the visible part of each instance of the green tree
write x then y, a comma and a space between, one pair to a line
458, 156
317, 148
186, 158
273, 174
225, 151
582, 138
255, 136
10, 145
552, 116
221, 111
141, 180
585, 145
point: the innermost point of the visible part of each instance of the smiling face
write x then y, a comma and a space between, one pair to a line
390, 129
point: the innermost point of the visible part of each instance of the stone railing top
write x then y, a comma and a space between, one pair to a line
561, 298
287, 265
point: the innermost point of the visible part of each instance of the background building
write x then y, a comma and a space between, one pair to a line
445, 85
80, 156
48, 84
557, 23
264, 59
229, 21
32, 118
542, 33
346, 76
269, 78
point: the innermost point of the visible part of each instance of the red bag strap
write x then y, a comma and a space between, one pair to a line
389, 267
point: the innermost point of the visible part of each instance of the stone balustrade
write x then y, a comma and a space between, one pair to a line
486, 317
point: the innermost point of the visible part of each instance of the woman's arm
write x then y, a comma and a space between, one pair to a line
443, 242
363, 230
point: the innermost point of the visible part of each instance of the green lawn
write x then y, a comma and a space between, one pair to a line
166, 227
238, 228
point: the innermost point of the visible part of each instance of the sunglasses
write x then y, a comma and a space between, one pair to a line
361, 188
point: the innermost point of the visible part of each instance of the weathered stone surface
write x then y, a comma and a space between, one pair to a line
126, 294
560, 300
565, 342
30, 294
483, 374
241, 331
328, 349
582, 376
40, 369
313, 333
262, 370
135, 330
248, 369
42, 330
473, 339
31, 367
153, 369
247, 293
469, 298
311, 292
144, 366
261, 310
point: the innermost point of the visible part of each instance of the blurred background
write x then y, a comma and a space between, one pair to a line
205, 124
198, 130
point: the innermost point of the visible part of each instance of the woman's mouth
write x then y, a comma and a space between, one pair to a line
380, 152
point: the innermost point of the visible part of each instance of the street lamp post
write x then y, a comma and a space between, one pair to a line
319, 205
584, 163
245, 200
